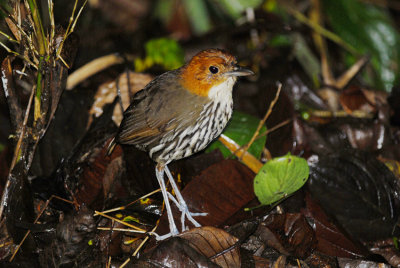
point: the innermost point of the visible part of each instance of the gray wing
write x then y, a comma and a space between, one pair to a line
162, 106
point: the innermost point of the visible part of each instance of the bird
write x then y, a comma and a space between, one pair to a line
177, 115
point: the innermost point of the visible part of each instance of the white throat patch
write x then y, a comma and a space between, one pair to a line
223, 91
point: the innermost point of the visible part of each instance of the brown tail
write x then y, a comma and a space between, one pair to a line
111, 147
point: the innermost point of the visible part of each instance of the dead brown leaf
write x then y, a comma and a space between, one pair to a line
216, 244
128, 83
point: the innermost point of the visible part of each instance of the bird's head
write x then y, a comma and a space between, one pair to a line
210, 71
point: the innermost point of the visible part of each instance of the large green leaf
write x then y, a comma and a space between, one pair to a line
370, 30
240, 129
280, 177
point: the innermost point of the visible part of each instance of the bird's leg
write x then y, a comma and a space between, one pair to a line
172, 226
182, 204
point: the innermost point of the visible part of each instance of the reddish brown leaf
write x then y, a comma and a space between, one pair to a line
216, 244
96, 179
220, 190
288, 233
353, 98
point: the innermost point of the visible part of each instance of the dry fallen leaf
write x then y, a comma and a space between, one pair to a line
214, 243
107, 92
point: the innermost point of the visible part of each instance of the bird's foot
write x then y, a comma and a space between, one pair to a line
163, 237
182, 206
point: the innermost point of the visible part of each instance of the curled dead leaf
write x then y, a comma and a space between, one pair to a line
128, 83
214, 243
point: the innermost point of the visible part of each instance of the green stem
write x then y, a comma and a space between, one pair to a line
41, 40
37, 21
322, 31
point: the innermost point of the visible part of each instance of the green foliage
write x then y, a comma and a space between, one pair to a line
306, 58
196, 12
162, 51
371, 30
130, 219
281, 40
234, 8
271, 5
280, 177
199, 12
240, 129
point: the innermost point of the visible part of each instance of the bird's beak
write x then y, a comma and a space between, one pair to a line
239, 71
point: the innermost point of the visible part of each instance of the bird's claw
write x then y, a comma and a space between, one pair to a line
162, 237
185, 212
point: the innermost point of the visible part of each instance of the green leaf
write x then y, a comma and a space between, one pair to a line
371, 30
281, 40
130, 218
162, 51
280, 177
163, 9
235, 8
198, 15
240, 129
305, 56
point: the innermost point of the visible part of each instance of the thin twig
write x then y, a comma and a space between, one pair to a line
125, 263
143, 242
138, 248
109, 262
9, 50
341, 113
131, 203
281, 124
262, 122
122, 222
70, 28
77, 17
68, 31
9, 37
119, 229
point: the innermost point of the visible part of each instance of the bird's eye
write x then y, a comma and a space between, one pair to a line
213, 69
